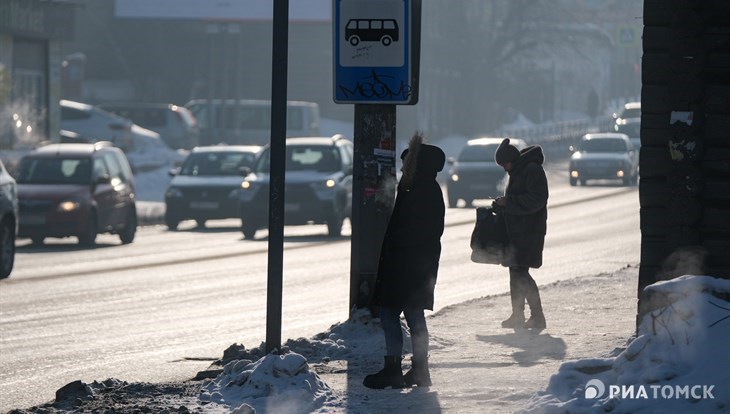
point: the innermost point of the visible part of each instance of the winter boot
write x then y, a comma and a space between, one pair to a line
536, 321
537, 317
390, 376
515, 321
517, 292
418, 374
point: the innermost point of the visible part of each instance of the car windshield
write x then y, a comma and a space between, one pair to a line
216, 163
483, 153
322, 158
54, 171
603, 145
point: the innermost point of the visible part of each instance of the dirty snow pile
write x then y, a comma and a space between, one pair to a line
284, 383
677, 363
274, 383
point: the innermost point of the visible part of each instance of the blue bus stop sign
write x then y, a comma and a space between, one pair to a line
376, 51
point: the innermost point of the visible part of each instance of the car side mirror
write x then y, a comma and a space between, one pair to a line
103, 179
244, 171
173, 172
451, 160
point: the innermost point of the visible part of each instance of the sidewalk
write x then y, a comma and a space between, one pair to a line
479, 367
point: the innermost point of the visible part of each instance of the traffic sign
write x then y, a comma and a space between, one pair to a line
376, 51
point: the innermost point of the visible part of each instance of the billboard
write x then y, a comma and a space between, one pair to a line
229, 10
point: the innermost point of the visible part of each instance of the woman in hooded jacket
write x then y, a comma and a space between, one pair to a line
524, 206
408, 267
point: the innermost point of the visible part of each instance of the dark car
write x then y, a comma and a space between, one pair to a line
8, 221
76, 190
474, 174
318, 185
207, 184
604, 156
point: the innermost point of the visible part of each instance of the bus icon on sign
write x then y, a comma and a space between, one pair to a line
384, 31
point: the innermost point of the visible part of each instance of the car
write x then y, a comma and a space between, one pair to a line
474, 174
604, 156
318, 185
176, 125
76, 190
8, 221
206, 185
630, 110
632, 128
96, 124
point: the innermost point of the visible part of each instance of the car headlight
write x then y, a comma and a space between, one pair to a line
454, 177
173, 193
68, 206
330, 183
246, 185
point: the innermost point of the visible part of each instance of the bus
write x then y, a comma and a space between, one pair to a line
248, 121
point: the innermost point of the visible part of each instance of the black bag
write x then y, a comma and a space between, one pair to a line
489, 238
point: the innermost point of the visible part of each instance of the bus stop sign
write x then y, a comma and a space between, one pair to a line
376, 51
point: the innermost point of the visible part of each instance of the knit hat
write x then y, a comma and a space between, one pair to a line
506, 153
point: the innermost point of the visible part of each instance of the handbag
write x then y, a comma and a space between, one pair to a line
489, 237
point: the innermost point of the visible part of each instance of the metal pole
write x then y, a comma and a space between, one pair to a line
277, 174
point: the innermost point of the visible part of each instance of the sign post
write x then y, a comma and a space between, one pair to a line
376, 65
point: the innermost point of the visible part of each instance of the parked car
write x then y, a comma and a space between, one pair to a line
207, 184
474, 174
175, 124
604, 156
96, 124
76, 190
8, 221
318, 185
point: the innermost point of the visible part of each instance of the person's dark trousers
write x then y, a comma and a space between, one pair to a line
390, 320
419, 373
523, 287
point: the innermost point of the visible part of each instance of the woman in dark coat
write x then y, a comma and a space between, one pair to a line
524, 206
409, 261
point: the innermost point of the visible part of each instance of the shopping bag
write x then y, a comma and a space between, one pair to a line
489, 237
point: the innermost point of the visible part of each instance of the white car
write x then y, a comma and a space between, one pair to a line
99, 125
8, 221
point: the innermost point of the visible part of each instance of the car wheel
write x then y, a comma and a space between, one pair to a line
38, 241
7, 248
88, 238
171, 222
573, 182
126, 235
582, 182
249, 229
334, 226
201, 222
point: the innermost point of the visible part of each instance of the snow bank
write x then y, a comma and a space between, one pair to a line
677, 363
274, 383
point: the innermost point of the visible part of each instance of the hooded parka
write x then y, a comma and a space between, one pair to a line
526, 209
409, 256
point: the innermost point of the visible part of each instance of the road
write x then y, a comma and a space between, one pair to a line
164, 306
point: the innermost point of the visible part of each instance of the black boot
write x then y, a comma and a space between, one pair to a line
537, 317
390, 376
418, 374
